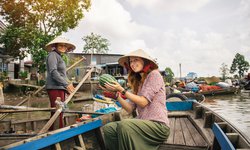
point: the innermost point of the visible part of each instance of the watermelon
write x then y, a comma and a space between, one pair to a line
106, 78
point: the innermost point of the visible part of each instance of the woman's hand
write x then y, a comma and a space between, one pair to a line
114, 86
70, 88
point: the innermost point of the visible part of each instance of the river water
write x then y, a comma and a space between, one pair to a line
234, 108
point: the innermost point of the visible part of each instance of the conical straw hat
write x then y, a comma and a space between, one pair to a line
137, 53
50, 45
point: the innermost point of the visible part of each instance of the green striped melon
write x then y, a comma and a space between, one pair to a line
106, 78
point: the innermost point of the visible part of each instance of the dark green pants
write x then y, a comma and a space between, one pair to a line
134, 134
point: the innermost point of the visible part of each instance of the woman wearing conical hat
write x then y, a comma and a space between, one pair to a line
56, 81
151, 126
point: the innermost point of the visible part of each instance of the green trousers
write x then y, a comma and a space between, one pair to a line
134, 134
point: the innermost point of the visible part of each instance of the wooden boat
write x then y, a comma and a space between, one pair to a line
14, 131
231, 90
192, 127
187, 95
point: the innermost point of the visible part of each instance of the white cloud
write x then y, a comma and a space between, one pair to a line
109, 19
201, 49
169, 5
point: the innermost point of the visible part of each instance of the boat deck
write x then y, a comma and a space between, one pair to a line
184, 135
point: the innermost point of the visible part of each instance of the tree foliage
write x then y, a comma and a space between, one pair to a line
224, 70
169, 74
95, 44
239, 64
33, 23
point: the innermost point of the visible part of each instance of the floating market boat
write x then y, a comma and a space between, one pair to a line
222, 91
192, 126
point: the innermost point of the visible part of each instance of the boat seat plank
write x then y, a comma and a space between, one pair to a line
170, 139
183, 135
178, 137
199, 140
187, 133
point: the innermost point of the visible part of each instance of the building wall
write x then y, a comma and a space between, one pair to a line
108, 62
100, 58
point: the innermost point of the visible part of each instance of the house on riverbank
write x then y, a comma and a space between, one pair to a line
107, 63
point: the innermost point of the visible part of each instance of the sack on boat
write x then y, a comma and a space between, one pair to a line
223, 85
209, 87
212, 80
192, 87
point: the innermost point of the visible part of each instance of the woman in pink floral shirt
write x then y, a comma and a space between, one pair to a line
151, 127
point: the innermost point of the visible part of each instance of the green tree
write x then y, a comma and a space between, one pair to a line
239, 64
95, 44
33, 23
169, 74
224, 71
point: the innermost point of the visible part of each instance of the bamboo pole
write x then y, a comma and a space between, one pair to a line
51, 109
2, 116
57, 113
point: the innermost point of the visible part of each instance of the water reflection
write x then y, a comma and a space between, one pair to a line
234, 108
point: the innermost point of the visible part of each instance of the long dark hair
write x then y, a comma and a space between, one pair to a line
135, 79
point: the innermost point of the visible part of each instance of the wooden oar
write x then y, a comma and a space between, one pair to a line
57, 113
2, 116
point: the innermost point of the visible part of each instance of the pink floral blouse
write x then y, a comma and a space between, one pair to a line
153, 89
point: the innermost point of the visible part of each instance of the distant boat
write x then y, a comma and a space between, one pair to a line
230, 90
192, 126
186, 96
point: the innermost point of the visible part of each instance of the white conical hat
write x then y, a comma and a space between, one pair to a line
137, 53
50, 45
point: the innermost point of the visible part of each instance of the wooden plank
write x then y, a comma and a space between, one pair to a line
198, 139
208, 120
57, 113
207, 132
2, 116
170, 139
233, 138
78, 148
28, 85
27, 110
42, 141
178, 137
198, 112
81, 142
58, 146
1, 94
186, 132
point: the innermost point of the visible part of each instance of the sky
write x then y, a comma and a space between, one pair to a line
198, 34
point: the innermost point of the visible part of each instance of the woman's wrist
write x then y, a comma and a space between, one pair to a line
124, 91
117, 94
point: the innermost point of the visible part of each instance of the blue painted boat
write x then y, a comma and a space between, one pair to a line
192, 127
